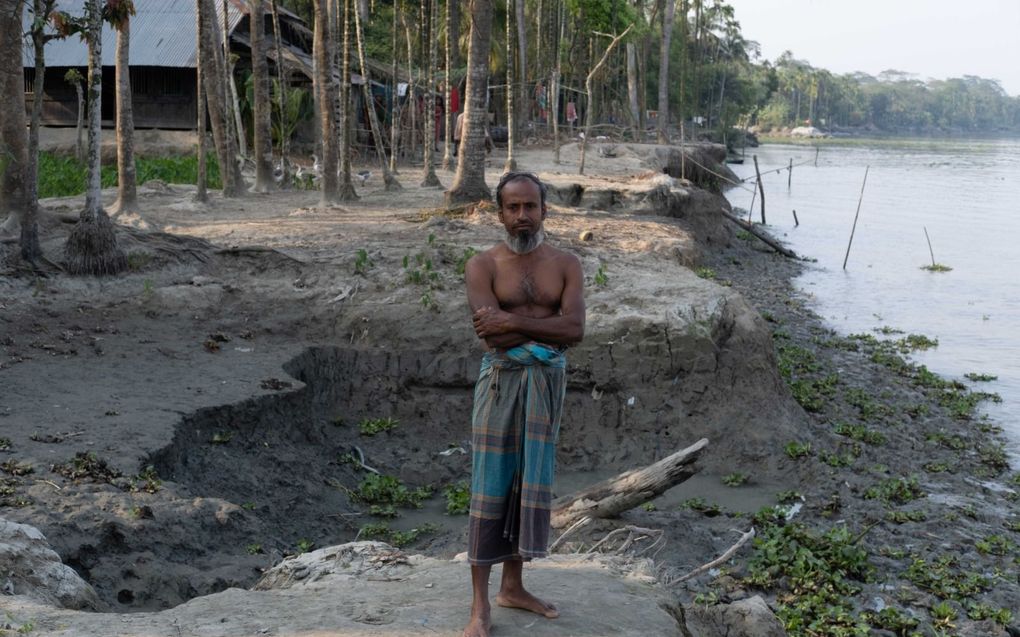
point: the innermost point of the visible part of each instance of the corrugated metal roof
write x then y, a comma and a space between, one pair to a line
162, 34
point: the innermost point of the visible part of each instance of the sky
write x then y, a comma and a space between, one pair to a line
931, 38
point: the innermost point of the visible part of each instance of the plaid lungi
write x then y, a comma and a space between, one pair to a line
514, 426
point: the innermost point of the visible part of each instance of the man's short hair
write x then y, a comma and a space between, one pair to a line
518, 176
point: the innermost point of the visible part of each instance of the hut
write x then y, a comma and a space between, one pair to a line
163, 61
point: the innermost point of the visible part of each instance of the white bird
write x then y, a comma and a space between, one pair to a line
363, 175
316, 166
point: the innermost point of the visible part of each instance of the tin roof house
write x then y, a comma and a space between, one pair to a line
163, 61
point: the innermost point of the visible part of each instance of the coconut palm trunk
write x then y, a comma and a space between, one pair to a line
448, 89
233, 103
324, 93
283, 83
217, 100
511, 115
343, 115
202, 179
429, 178
554, 85
127, 194
394, 97
262, 107
667, 35
91, 247
389, 180
13, 140
469, 183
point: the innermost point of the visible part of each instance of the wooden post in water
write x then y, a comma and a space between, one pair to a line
761, 188
789, 176
816, 156
754, 195
930, 251
857, 214
796, 222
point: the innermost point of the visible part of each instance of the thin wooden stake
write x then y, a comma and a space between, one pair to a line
816, 156
930, 251
857, 214
789, 176
796, 222
761, 187
754, 196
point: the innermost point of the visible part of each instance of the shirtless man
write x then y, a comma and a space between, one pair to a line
528, 306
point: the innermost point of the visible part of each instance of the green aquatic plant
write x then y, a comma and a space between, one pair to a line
937, 267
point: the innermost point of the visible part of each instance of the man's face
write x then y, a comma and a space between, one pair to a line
522, 211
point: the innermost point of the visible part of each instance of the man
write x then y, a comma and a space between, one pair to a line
528, 306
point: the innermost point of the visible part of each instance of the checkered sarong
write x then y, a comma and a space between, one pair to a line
514, 426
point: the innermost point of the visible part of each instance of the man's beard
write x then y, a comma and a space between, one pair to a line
524, 242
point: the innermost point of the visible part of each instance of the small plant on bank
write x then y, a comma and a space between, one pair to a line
902, 517
5, 444
649, 506
15, 468
388, 490
942, 578
981, 378
978, 612
362, 262
787, 497
303, 546
895, 491
464, 258
254, 549
147, 481
892, 619
382, 532
796, 449
458, 498
383, 511
373, 426
600, 276
221, 437
943, 615
936, 467
734, 479
701, 506
705, 272
860, 433
995, 545
994, 456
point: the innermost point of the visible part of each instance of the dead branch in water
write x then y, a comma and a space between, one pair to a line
769, 241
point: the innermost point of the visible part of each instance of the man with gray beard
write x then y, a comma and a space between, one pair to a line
528, 306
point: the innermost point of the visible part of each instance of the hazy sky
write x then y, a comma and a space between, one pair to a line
932, 38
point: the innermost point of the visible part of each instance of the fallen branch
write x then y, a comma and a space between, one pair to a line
634, 534
575, 526
627, 490
772, 243
719, 560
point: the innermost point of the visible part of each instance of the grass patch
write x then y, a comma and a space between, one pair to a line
701, 506
373, 426
937, 267
388, 490
981, 378
796, 449
902, 517
381, 531
458, 498
61, 176
942, 578
895, 491
860, 433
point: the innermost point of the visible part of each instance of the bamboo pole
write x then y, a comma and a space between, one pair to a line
930, 251
767, 240
857, 214
796, 222
761, 187
789, 176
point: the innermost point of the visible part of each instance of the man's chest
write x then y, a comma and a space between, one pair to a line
516, 287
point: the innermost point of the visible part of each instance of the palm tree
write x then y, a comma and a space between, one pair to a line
13, 141
667, 35
511, 118
429, 178
127, 195
201, 193
448, 87
323, 54
263, 122
469, 183
343, 116
91, 247
389, 180
213, 68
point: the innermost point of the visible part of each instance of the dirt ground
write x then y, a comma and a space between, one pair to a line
215, 391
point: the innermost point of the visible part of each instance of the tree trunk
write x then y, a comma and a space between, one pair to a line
469, 184
632, 91
521, 114
283, 86
240, 138
216, 100
454, 34
412, 102
611, 497
511, 88
667, 36
30, 249
91, 247
344, 118
447, 90
429, 178
79, 144
262, 107
555, 83
389, 180
201, 191
14, 160
127, 195
590, 114
326, 98
394, 97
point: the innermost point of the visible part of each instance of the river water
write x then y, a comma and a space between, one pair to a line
965, 192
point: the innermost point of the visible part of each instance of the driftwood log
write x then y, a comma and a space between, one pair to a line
627, 490
769, 241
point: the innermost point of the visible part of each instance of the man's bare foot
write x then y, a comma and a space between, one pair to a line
522, 599
478, 625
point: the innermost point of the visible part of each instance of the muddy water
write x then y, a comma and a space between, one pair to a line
967, 195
